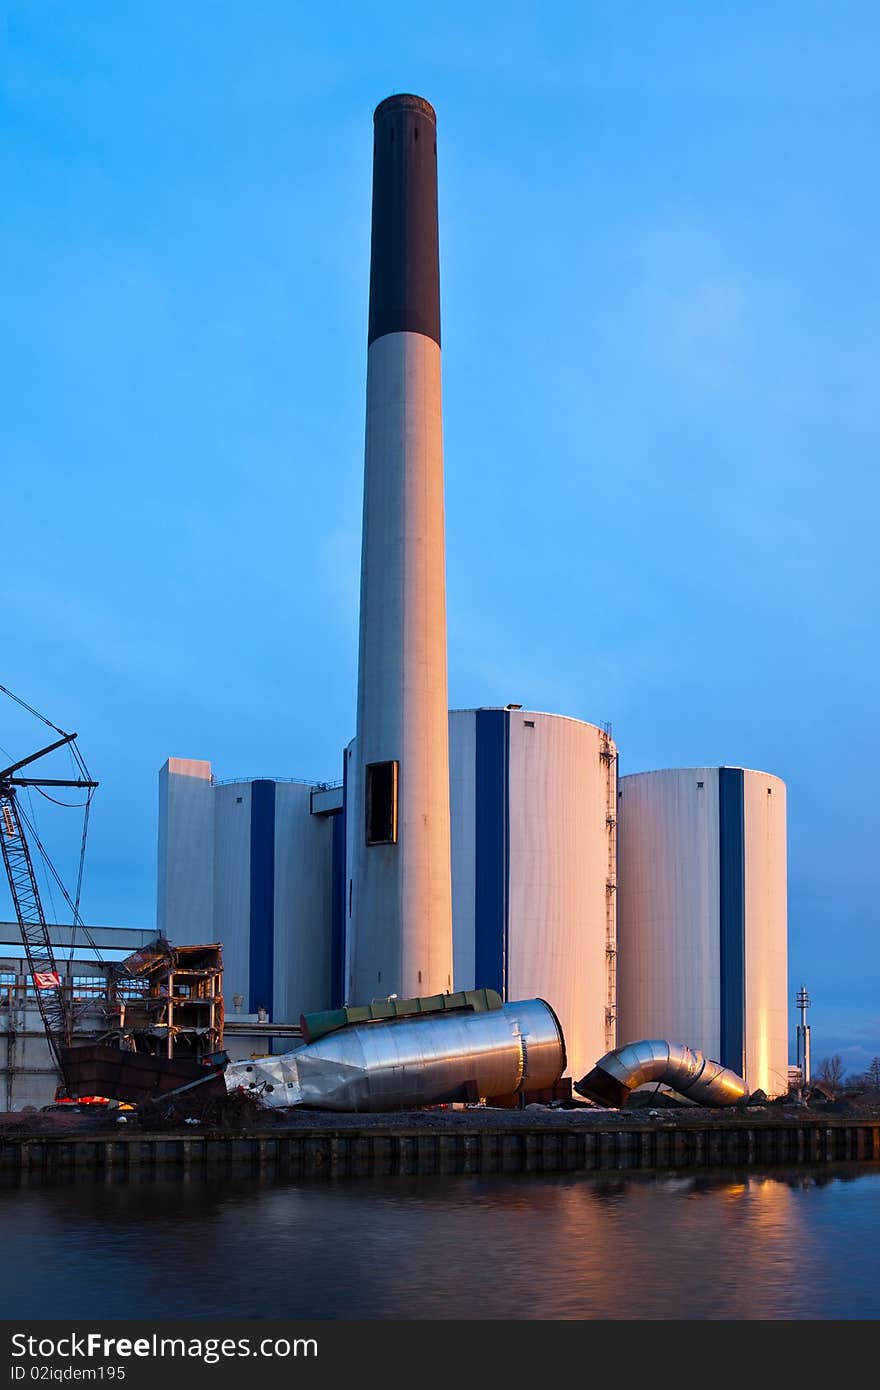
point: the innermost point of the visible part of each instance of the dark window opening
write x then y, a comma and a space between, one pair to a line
699, 784
381, 803
529, 723
416, 133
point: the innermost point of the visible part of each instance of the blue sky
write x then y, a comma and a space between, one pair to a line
659, 287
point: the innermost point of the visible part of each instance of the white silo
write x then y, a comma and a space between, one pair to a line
533, 800
250, 863
702, 918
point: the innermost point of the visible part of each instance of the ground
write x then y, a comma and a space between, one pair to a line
241, 1114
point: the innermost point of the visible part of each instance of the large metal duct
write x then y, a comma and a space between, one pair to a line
671, 1064
411, 1062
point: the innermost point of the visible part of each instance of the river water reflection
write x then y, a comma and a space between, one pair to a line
707, 1245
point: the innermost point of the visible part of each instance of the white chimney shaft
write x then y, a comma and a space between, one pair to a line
400, 927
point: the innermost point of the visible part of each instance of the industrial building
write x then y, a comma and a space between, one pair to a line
476, 848
489, 848
702, 920
533, 867
534, 902
250, 864
650, 907
28, 1071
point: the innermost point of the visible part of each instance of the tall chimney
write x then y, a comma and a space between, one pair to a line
398, 777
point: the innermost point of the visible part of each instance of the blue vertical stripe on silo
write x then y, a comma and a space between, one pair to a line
337, 910
492, 850
731, 836
262, 897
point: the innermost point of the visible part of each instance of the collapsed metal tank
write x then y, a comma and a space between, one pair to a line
406, 1062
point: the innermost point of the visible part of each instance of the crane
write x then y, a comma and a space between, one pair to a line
53, 1001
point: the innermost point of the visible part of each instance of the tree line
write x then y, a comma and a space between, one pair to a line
832, 1072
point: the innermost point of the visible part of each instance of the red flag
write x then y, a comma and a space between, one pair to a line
46, 979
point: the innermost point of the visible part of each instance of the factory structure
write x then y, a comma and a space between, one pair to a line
703, 917
483, 849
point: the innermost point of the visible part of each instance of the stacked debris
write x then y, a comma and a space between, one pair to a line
170, 1000
166, 1034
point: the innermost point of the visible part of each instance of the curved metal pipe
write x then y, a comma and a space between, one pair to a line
687, 1071
408, 1062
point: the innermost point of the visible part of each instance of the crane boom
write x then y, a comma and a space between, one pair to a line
52, 1001
32, 757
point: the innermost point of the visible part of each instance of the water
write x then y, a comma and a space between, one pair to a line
712, 1245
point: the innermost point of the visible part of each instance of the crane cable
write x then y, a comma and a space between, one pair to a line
77, 920
82, 860
68, 805
86, 775
80, 760
30, 709
86, 806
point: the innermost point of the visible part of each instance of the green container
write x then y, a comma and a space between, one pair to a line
318, 1025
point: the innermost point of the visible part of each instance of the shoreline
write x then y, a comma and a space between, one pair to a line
451, 1144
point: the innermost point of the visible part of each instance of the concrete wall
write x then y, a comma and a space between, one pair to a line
230, 859
185, 899
303, 905
463, 803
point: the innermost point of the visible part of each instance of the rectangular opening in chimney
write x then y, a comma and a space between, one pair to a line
381, 803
